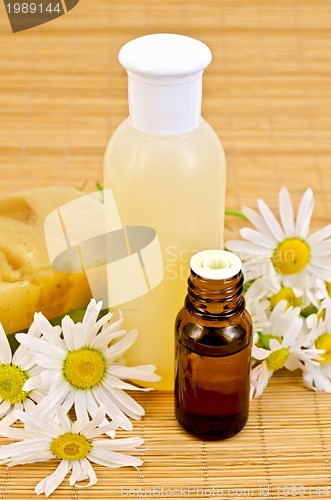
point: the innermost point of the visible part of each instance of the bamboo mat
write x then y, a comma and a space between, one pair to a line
268, 95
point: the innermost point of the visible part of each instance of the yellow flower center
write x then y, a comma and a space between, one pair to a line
291, 256
287, 294
84, 368
324, 342
12, 379
71, 446
277, 359
328, 288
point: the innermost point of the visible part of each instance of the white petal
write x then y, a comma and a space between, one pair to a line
259, 222
100, 324
91, 403
263, 380
292, 363
68, 401
271, 220
312, 321
50, 483
63, 419
42, 426
255, 273
125, 402
120, 384
80, 404
10, 418
304, 214
244, 248
143, 372
292, 332
32, 383
109, 429
56, 395
68, 332
113, 459
122, 444
319, 269
286, 212
96, 420
259, 353
122, 345
113, 411
5, 351
276, 316
24, 358
4, 407
50, 362
43, 456
115, 326
91, 313
257, 238
104, 338
77, 473
38, 345
28, 405
90, 318
14, 433
84, 425
89, 472
319, 235
50, 333
79, 336
274, 345
24, 448
92, 407
34, 330
51, 377
322, 249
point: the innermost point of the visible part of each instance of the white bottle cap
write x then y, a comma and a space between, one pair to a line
165, 82
216, 264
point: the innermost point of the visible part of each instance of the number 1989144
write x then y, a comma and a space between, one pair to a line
33, 8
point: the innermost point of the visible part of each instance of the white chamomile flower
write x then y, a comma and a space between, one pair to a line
270, 294
15, 371
321, 295
318, 377
83, 367
71, 443
285, 341
258, 313
285, 253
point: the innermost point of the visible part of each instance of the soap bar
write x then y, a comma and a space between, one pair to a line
28, 284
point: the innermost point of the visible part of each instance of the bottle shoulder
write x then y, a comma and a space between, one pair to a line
126, 132
212, 336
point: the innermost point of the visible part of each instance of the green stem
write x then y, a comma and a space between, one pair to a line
264, 340
236, 214
100, 187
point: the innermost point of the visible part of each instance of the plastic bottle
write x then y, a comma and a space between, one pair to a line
213, 347
166, 168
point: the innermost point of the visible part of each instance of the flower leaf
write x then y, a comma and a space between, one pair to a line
264, 340
236, 214
100, 188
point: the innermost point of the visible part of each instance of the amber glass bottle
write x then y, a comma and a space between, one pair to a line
213, 348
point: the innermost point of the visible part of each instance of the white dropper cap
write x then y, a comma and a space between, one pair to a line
165, 82
216, 264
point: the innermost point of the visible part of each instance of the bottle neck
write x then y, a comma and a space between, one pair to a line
208, 297
165, 105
